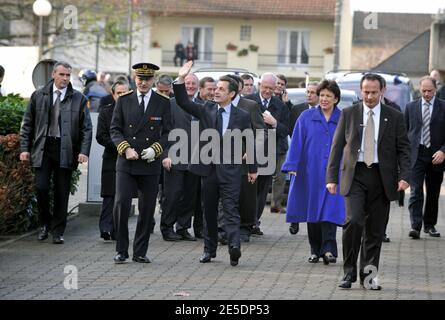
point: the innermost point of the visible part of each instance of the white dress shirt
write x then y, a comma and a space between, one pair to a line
376, 116
62, 95
146, 98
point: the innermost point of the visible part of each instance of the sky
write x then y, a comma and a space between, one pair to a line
406, 6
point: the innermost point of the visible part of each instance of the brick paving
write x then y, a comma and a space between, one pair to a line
272, 267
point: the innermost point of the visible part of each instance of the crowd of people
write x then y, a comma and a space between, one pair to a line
345, 166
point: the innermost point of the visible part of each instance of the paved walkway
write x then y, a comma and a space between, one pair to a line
273, 266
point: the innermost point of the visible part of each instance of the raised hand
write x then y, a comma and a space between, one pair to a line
185, 69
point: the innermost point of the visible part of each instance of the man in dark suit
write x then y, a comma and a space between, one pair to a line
181, 185
247, 204
55, 136
139, 129
276, 116
109, 157
371, 144
222, 174
425, 121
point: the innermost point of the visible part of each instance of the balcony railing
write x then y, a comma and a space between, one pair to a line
210, 59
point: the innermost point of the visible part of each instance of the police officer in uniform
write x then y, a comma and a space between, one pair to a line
139, 129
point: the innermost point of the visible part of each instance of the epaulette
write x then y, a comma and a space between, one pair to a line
163, 95
126, 93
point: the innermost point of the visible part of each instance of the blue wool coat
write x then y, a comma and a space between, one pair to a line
308, 198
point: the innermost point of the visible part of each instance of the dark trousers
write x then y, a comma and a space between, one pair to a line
263, 187
61, 181
212, 192
106, 215
147, 187
179, 199
247, 204
198, 215
367, 209
322, 238
423, 171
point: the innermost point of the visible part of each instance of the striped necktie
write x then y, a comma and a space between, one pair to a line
426, 119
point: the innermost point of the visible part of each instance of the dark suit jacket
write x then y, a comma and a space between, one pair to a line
392, 148
109, 156
256, 119
127, 125
207, 113
413, 118
181, 120
281, 113
295, 113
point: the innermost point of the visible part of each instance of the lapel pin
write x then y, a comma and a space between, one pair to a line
386, 119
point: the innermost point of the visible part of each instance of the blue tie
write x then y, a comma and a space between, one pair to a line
219, 120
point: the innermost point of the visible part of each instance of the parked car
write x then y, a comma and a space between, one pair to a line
399, 88
347, 97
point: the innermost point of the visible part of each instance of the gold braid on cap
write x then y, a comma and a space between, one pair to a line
122, 146
157, 148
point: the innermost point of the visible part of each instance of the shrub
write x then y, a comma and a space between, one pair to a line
253, 48
230, 46
17, 196
12, 108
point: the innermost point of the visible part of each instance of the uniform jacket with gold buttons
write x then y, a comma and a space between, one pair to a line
129, 129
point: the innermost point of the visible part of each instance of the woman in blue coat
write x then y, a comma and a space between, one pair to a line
307, 158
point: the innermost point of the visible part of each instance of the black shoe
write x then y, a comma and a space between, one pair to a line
386, 239
329, 258
313, 259
294, 228
432, 232
171, 236
120, 258
58, 240
256, 231
43, 235
347, 282
185, 235
206, 257
415, 234
235, 254
275, 210
105, 235
141, 259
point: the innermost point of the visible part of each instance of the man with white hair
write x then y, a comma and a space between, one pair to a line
276, 116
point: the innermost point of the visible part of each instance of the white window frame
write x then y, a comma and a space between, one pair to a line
202, 41
247, 35
287, 46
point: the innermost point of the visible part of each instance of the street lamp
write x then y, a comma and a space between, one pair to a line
41, 8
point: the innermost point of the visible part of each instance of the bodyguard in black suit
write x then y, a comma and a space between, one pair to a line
180, 185
297, 110
139, 129
276, 116
425, 121
55, 136
109, 157
371, 144
220, 180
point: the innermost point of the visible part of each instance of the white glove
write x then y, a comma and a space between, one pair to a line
148, 154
